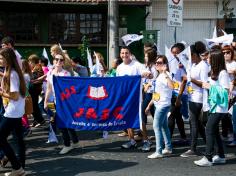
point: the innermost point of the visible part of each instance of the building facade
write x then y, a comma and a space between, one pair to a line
35, 24
199, 19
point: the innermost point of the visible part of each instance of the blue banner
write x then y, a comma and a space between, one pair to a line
109, 104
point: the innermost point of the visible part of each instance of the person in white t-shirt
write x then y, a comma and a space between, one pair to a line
227, 126
13, 91
197, 75
130, 67
59, 71
161, 98
218, 85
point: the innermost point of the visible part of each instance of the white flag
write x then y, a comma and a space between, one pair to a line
60, 46
130, 38
51, 136
185, 58
45, 55
90, 62
172, 61
98, 71
226, 39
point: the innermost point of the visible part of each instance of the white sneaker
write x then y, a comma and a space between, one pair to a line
218, 160
19, 172
166, 152
155, 155
203, 162
65, 150
75, 145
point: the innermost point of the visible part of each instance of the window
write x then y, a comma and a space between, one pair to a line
71, 27
23, 27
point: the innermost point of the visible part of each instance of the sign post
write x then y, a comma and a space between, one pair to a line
175, 15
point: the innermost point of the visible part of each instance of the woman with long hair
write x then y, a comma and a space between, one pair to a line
218, 86
13, 88
161, 98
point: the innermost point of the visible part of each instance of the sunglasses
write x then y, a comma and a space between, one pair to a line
59, 59
226, 52
158, 63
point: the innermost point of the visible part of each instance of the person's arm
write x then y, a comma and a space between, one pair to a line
149, 106
12, 95
182, 87
198, 83
47, 95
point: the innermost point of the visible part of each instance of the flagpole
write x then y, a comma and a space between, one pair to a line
175, 35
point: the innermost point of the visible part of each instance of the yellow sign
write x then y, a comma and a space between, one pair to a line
156, 96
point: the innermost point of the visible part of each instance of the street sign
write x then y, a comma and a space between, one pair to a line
175, 13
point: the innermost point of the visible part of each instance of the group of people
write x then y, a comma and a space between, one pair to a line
203, 93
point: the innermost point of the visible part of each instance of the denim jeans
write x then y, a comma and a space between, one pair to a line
160, 126
213, 135
7, 126
234, 121
196, 125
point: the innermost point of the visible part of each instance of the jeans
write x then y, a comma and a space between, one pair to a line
7, 126
196, 125
234, 122
212, 135
160, 126
147, 97
176, 115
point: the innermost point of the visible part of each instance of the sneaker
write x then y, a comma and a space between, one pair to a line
39, 124
166, 152
4, 161
123, 134
65, 150
188, 153
129, 145
19, 172
232, 144
75, 145
218, 160
146, 147
155, 155
203, 162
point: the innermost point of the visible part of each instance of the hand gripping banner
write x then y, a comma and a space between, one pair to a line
109, 103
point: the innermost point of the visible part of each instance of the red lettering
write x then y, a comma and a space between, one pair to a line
117, 114
79, 113
105, 114
91, 113
72, 90
63, 96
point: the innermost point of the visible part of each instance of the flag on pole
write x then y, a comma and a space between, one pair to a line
185, 58
60, 46
226, 39
98, 70
45, 55
172, 61
90, 62
130, 38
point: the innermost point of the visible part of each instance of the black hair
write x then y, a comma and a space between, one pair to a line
125, 47
44, 60
198, 48
180, 46
7, 40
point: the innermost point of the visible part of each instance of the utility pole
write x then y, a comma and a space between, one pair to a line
113, 36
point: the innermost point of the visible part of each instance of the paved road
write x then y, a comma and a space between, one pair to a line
104, 157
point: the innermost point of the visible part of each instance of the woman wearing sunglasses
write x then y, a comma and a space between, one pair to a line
161, 99
58, 70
